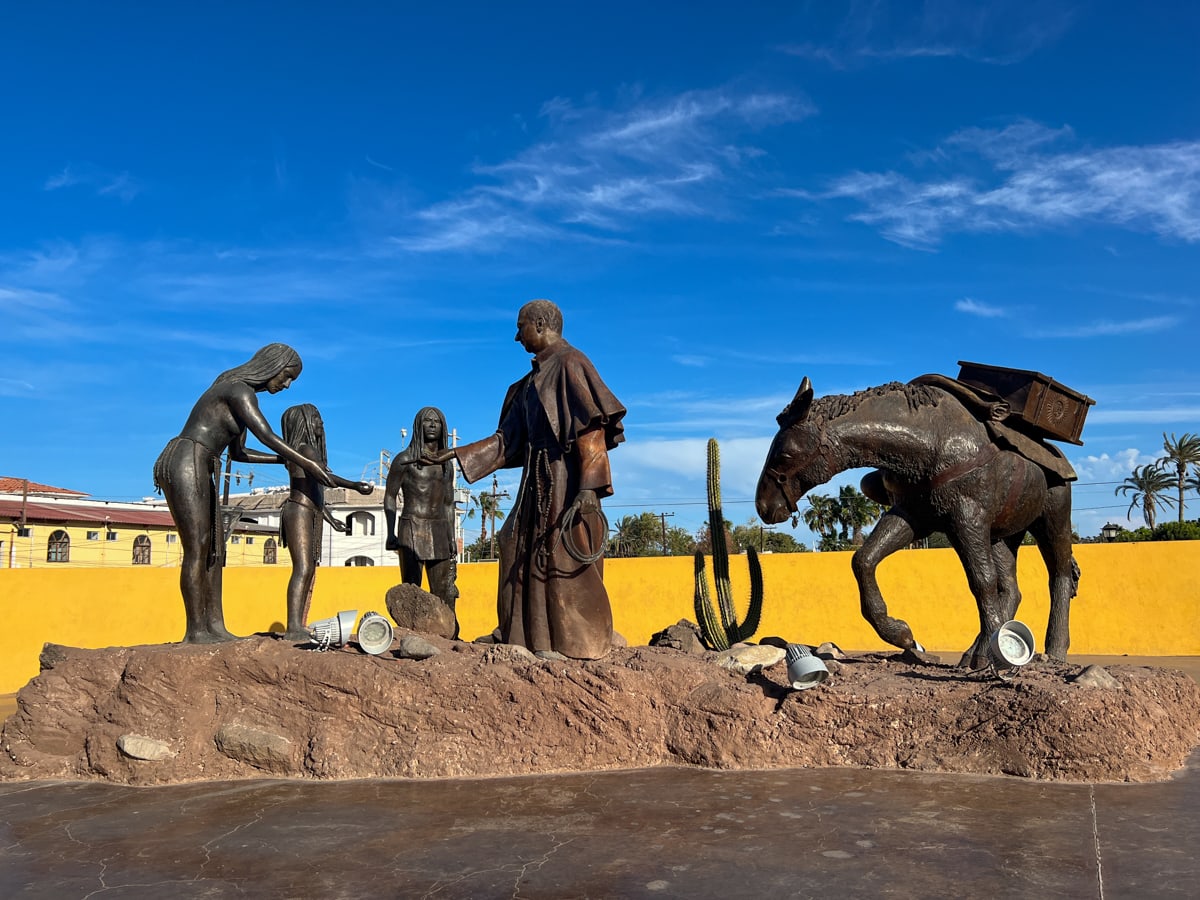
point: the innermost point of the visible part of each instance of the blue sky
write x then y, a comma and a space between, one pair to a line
723, 198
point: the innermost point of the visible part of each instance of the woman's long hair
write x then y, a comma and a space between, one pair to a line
263, 366
301, 424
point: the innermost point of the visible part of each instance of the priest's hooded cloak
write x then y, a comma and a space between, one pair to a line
558, 423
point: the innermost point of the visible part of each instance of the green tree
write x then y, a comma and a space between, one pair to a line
704, 537
680, 542
1177, 531
1181, 453
642, 535
856, 511
488, 508
639, 535
764, 540
1148, 485
480, 549
821, 516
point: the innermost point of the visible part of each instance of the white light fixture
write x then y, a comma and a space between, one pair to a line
803, 669
374, 634
334, 631
1011, 645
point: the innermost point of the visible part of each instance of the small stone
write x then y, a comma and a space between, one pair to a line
619, 642
141, 747
262, 749
683, 635
749, 659
1097, 676
509, 653
413, 646
551, 655
829, 650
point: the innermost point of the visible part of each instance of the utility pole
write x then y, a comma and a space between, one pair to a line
496, 494
663, 518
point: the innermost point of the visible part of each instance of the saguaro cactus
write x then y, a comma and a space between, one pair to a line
720, 635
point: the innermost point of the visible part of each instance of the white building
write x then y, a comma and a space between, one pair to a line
365, 541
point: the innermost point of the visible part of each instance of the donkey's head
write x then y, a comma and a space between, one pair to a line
794, 463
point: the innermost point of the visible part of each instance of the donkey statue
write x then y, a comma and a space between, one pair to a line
938, 468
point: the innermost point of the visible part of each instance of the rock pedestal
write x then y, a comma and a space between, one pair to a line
262, 707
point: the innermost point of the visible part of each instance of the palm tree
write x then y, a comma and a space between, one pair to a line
821, 515
1192, 482
1147, 484
855, 511
1181, 453
634, 535
489, 508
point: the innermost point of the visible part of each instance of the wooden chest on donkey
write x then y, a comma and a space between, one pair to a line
1047, 407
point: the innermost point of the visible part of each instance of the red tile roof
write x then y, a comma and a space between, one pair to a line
17, 486
63, 513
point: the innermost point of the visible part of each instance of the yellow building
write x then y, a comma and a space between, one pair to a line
47, 527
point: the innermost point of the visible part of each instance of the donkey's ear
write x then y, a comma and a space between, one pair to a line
797, 410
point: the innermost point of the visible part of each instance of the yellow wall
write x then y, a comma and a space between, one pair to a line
1141, 599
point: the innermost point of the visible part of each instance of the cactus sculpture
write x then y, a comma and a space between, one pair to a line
720, 635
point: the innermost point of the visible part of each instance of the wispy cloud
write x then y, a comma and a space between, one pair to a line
977, 308
1108, 328
121, 185
874, 31
1012, 179
597, 173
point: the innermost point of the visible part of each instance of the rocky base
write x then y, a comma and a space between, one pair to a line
262, 707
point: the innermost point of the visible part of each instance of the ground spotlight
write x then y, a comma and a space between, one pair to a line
804, 670
334, 631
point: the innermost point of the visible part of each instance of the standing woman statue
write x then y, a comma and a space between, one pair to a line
188, 470
303, 511
425, 539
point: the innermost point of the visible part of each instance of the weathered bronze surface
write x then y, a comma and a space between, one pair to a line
188, 468
938, 470
304, 513
425, 538
558, 423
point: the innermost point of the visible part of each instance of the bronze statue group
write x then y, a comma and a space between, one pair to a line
557, 424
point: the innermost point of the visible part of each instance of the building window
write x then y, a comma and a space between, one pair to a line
110, 536
366, 523
172, 538
25, 531
58, 548
93, 535
141, 550
236, 539
250, 539
360, 561
269, 553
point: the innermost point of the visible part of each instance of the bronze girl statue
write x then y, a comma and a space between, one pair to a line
188, 470
303, 511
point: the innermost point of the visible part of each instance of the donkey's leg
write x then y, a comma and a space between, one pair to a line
971, 537
1053, 535
892, 533
1004, 553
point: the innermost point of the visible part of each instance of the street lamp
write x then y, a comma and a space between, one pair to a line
1109, 532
